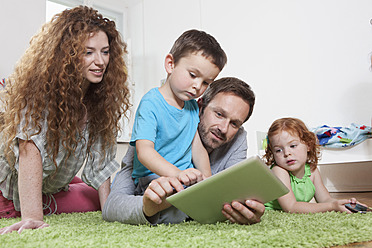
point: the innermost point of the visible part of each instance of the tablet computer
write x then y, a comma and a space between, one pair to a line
249, 179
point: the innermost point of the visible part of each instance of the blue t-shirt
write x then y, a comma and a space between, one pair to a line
172, 130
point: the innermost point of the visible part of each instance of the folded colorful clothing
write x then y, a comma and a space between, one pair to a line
3, 83
340, 137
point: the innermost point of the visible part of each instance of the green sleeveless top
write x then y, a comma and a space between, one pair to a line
303, 189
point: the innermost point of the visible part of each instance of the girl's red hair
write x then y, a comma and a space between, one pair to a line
295, 127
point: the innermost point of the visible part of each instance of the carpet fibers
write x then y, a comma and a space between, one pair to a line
277, 229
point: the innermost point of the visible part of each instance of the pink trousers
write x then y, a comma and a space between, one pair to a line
79, 198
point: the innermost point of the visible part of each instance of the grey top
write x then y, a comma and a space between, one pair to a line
123, 206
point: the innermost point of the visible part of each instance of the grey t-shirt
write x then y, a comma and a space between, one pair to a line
123, 206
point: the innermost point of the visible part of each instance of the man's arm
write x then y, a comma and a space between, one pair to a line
245, 214
225, 157
103, 192
122, 205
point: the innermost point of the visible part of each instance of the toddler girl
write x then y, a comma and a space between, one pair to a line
293, 153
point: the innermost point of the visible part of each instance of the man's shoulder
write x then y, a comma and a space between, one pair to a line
239, 138
230, 153
241, 133
127, 160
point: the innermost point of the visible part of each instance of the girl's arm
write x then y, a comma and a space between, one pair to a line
103, 192
200, 156
322, 194
289, 203
30, 176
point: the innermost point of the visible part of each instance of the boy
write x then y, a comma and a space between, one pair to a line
168, 116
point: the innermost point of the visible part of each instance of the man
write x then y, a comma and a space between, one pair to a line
224, 107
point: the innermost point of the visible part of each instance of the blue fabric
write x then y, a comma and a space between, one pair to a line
172, 130
339, 137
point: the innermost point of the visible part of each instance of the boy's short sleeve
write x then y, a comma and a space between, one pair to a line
145, 124
150, 109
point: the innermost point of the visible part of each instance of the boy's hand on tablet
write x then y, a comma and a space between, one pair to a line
190, 176
156, 193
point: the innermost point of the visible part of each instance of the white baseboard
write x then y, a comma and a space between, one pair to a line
347, 177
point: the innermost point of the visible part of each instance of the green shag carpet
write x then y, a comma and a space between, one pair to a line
277, 229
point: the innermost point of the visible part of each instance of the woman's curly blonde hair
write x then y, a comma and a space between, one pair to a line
295, 127
47, 85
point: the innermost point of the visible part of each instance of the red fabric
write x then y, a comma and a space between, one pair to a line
7, 208
79, 198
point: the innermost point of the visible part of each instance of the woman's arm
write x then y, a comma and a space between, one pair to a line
30, 176
30, 181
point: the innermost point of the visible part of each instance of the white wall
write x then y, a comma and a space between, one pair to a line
153, 27
306, 59
19, 21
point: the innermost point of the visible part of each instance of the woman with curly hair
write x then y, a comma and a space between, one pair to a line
61, 111
293, 153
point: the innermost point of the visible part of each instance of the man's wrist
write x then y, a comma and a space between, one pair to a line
147, 213
151, 218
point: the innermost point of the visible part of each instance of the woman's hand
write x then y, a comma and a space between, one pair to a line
24, 224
